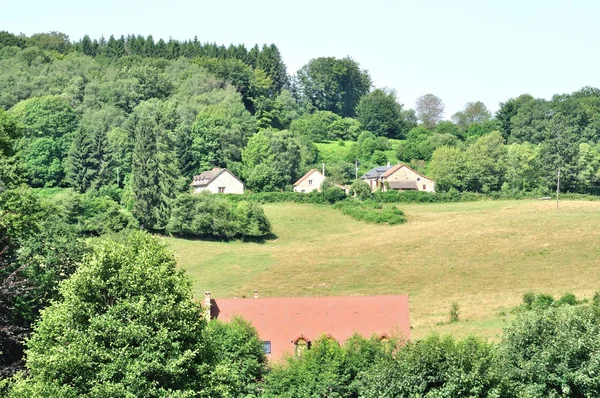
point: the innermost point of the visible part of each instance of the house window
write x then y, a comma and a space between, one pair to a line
221, 189
303, 190
266, 347
424, 186
418, 178
309, 182
301, 345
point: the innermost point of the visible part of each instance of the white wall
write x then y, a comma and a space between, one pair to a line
226, 180
316, 178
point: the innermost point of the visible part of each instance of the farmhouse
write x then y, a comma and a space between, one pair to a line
312, 181
291, 324
217, 181
399, 177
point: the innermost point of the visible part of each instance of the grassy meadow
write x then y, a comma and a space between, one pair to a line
482, 255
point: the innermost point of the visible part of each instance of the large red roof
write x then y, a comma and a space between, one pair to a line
281, 320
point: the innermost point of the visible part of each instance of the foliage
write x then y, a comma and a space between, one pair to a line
335, 85
334, 194
210, 215
434, 367
552, 353
371, 212
155, 174
238, 357
327, 369
323, 126
38, 249
454, 312
380, 113
361, 190
430, 110
126, 324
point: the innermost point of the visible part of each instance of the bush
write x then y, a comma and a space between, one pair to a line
327, 369
568, 299
528, 299
551, 353
371, 212
454, 312
211, 215
334, 194
433, 367
96, 215
361, 190
543, 301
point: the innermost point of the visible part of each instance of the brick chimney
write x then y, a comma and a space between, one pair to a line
255, 294
207, 306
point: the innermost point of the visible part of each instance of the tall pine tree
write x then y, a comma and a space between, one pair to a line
154, 169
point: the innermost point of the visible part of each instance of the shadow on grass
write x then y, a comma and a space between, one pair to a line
210, 238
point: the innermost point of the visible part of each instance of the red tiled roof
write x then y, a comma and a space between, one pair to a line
305, 176
281, 320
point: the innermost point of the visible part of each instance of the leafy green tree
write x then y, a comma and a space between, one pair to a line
219, 134
434, 367
48, 124
51, 41
485, 164
380, 113
155, 174
531, 121
335, 85
38, 249
551, 352
447, 169
509, 109
473, 112
238, 356
272, 160
327, 369
521, 168
135, 331
430, 110
209, 215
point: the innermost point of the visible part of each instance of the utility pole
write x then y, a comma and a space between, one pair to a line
557, 186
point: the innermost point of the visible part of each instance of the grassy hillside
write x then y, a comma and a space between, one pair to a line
482, 255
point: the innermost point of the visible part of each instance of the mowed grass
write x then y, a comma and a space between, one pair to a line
482, 255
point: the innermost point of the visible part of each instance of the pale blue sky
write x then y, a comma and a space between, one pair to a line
459, 50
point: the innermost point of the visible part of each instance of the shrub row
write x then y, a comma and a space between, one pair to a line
371, 212
211, 215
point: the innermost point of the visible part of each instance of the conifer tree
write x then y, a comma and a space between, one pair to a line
80, 167
154, 169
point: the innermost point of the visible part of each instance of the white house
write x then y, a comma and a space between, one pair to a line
309, 182
217, 181
312, 181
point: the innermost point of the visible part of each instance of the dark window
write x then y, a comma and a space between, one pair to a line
267, 347
309, 182
221, 189
424, 186
418, 178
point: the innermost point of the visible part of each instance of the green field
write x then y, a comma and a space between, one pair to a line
482, 255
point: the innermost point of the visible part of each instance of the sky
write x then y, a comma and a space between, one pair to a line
460, 50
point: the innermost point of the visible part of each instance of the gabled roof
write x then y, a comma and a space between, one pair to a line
376, 172
305, 176
281, 320
386, 171
206, 177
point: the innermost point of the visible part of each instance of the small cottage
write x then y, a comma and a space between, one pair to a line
217, 180
399, 177
310, 181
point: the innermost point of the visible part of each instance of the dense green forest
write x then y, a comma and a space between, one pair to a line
114, 129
